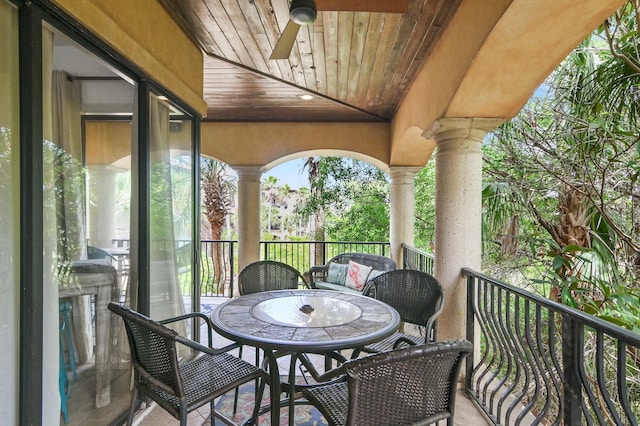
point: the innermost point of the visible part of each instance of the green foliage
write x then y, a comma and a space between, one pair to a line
593, 286
64, 188
561, 179
425, 207
354, 197
366, 220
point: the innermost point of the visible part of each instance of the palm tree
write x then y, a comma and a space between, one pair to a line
571, 156
312, 165
217, 192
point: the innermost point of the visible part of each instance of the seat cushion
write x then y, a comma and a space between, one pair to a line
337, 287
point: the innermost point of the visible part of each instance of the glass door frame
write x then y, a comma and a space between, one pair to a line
32, 15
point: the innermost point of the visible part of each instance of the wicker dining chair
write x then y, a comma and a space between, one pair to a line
182, 384
419, 299
412, 385
267, 275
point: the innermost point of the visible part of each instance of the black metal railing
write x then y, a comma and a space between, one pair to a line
420, 260
218, 264
302, 255
540, 362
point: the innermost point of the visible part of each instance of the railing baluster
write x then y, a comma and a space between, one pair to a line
623, 390
559, 366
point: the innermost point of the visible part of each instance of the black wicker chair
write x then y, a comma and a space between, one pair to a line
266, 275
182, 384
412, 385
418, 298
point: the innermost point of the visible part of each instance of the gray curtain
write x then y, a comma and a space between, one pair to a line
166, 295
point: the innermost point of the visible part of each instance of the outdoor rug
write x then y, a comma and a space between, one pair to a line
305, 415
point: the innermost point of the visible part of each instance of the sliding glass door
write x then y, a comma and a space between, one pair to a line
97, 205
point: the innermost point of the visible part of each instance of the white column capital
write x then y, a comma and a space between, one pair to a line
473, 128
403, 174
248, 173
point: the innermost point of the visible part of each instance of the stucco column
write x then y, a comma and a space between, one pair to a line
458, 221
102, 205
248, 214
402, 209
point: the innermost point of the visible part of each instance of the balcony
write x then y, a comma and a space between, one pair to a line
536, 361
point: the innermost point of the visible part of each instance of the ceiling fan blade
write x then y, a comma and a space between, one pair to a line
285, 43
388, 6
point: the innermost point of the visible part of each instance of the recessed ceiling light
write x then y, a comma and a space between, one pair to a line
306, 97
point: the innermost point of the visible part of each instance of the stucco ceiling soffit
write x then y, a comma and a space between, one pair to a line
411, 149
243, 143
525, 45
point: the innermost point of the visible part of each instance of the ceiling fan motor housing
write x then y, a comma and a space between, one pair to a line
303, 12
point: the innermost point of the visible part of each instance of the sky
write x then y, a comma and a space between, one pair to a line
290, 173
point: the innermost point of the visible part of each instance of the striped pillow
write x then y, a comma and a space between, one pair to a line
337, 273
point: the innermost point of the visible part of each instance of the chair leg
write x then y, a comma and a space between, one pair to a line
236, 392
183, 416
258, 401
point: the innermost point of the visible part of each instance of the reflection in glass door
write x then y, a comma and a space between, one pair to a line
87, 199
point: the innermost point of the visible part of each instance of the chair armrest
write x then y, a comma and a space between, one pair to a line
191, 315
316, 272
400, 340
332, 376
432, 323
205, 349
335, 375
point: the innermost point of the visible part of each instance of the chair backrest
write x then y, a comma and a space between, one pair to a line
404, 386
153, 351
417, 296
268, 275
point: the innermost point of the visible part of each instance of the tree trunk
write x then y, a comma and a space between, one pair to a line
218, 262
572, 229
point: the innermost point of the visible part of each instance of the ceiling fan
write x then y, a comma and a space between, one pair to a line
304, 12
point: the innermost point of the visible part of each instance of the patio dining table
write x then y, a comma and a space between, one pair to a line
302, 321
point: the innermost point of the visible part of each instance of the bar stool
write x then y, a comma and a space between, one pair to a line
66, 335
63, 383
66, 338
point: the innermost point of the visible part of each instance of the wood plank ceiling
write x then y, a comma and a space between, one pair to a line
357, 65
